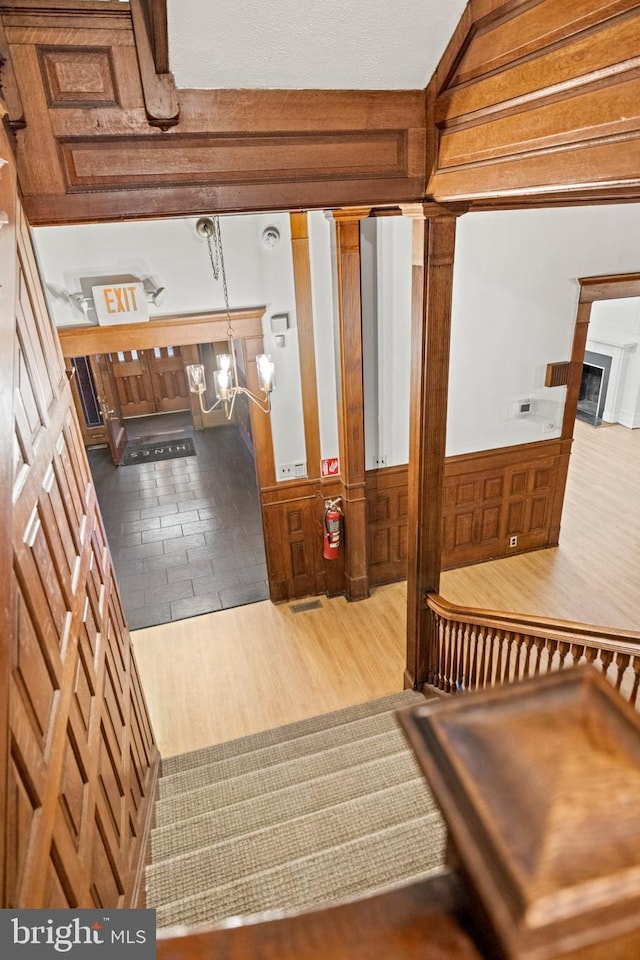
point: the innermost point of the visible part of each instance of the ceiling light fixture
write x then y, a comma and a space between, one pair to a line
225, 377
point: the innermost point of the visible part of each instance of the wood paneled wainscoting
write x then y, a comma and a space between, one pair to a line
292, 514
490, 497
78, 778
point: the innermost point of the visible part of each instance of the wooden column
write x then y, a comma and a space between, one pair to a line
432, 280
306, 346
7, 336
351, 405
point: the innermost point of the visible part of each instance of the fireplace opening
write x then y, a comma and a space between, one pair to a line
593, 387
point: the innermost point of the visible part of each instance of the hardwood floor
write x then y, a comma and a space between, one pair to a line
234, 672
238, 671
592, 576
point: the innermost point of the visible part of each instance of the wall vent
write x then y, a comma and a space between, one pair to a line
303, 607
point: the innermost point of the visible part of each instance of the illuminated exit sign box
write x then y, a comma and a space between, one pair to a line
120, 303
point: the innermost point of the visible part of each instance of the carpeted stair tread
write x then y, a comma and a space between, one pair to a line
302, 798
388, 857
257, 782
289, 840
265, 738
275, 754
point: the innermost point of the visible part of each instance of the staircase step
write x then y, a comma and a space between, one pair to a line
231, 821
403, 853
290, 839
301, 728
275, 754
258, 782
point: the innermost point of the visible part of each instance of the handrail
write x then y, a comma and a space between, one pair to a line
475, 648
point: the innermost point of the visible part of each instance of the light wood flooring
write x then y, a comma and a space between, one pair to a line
220, 676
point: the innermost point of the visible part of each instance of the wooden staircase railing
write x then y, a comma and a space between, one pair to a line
474, 649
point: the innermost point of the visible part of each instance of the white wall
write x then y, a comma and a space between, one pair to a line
321, 241
615, 331
386, 308
515, 295
171, 252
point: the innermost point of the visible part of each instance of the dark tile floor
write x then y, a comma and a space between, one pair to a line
185, 534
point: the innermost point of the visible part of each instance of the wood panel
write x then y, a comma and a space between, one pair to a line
292, 520
387, 519
83, 760
495, 495
101, 136
537, 100
8, 273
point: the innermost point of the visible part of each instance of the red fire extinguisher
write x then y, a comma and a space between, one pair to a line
332, 516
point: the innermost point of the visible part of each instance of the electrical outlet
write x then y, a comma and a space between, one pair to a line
285, 470
380, 461
513, 541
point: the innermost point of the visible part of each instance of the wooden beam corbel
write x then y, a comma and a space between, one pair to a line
9, 86
159, 89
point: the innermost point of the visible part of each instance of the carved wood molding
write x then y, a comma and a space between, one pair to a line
165, 332
531, 103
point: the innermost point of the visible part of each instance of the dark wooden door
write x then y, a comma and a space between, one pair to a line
168, 380
132, 379
150, 381
110, 408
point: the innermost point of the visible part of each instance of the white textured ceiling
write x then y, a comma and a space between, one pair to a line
309, 44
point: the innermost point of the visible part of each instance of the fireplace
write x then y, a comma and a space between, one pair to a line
596, 371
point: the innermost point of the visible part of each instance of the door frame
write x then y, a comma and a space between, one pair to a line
183, 330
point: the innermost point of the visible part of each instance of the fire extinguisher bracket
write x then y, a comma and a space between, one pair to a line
332, 523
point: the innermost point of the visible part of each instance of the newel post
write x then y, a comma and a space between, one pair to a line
434, 231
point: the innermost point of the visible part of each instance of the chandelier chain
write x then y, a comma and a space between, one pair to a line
216, 256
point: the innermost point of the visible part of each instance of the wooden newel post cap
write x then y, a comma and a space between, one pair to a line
539, 784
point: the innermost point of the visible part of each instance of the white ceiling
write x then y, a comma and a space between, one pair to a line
309, 44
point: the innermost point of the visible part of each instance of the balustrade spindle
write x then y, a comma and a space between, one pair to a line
500, 639
539, 645
448, 655
606, 659
563, 650
473, 654
435, 670
455, 654
473, 659
577, 652
528, 657
551, 646
482, 661
636, 681
622, 662
467, 640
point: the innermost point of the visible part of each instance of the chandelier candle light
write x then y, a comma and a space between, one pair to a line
225, 378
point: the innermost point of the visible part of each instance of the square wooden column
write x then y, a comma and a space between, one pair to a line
351, 401
434, 231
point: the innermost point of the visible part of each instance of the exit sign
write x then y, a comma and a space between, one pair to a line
120, 303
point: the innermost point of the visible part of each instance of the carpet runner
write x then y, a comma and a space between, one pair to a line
299, 817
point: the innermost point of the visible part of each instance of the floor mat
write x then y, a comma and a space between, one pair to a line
162, 450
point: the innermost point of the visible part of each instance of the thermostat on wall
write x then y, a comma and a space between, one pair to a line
524, 408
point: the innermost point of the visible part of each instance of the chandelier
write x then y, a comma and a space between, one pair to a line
225, 377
